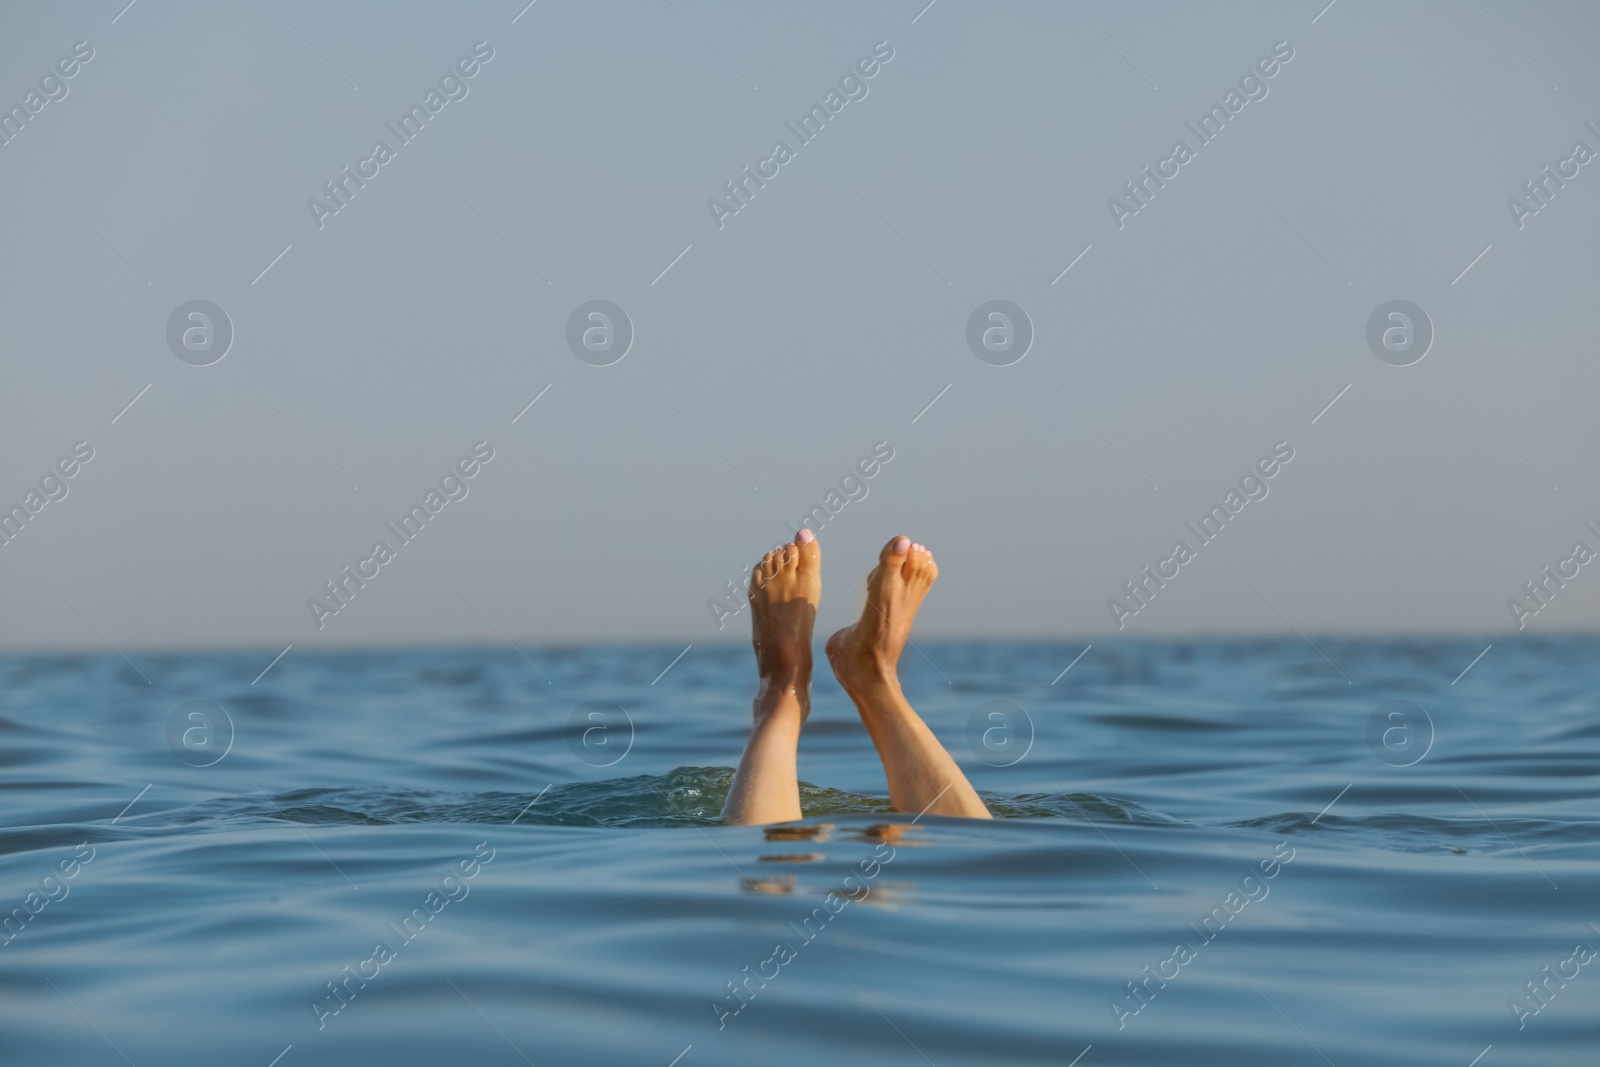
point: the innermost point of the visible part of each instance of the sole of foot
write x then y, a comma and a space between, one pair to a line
785, 587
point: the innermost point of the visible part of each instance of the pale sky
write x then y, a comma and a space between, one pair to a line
771, 355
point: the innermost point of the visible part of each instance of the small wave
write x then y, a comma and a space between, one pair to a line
687, 796
1423, 833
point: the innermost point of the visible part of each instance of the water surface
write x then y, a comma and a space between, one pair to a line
536, 906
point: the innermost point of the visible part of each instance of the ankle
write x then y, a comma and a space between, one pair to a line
870, 681
779, 693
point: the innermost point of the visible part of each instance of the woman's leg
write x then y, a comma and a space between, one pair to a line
922, 776
784, 589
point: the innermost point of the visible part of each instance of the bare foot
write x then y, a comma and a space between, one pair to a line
920, 773
865, 655
784, 589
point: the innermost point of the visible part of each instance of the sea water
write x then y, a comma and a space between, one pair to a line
1207, 852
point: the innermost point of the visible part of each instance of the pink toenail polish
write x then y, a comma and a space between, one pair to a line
902, 546
805, 537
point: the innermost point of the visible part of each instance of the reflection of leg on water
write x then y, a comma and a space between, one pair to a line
773, 885
893, 833
818, 833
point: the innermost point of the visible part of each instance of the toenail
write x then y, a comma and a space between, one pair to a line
806, 537
902, 545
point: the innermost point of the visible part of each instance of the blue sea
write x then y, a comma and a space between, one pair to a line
1206, 852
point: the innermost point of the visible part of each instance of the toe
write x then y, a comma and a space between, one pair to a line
919, 563
763, 570
809, 551
895, 551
